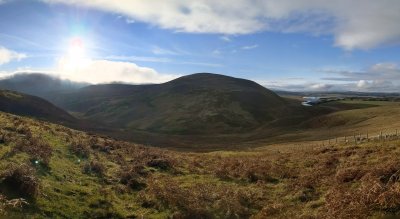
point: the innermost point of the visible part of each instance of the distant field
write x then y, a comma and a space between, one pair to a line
353, 118
368, 102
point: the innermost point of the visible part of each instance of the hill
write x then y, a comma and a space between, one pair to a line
38, 84
27, 105
195, 104
49, 171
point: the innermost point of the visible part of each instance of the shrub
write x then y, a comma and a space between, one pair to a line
348, 175
80, 149
94, 167
133, 177
160, 163
37, 149
23, 129
21, 179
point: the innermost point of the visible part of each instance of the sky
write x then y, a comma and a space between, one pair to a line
294, 45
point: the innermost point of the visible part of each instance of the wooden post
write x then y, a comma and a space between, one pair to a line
380, 136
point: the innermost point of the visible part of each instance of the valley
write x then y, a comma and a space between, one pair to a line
202, 112
286, 165
199, 109
96, 176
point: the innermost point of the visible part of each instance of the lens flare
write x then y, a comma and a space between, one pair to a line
75, 58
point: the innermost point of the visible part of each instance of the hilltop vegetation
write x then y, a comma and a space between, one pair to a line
65, 173
195, 104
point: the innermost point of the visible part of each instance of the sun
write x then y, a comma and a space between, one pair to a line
76, 48
75, 58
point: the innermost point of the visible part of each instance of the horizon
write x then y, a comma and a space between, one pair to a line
58, 77
307, 46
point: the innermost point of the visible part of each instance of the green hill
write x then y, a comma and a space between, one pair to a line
195, 104
27, 105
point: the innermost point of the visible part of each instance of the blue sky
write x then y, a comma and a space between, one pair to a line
301, 45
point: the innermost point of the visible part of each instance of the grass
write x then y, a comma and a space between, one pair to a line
91, 176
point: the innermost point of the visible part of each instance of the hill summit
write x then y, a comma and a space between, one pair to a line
194, 104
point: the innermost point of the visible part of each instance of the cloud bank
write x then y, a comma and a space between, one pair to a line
381, 77
7, 55
357, 24
106, 71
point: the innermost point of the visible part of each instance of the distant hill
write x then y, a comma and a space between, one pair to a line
39, 84
198, 103
27, 105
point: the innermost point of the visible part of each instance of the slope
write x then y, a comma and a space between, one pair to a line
195, 104
26, 105
64, 173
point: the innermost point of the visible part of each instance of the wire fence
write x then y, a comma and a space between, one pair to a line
358, 138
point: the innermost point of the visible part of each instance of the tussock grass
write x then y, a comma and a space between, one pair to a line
83, 175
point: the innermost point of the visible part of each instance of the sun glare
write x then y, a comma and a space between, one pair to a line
76, 48
75, 58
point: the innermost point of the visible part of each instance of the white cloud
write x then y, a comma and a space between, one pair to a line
381, 77
7, 55
105, 71
226, 38
377, 72
362, 83
250, 47
355, 24
320, 86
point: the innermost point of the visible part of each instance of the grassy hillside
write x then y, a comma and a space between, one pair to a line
194, 104
60, 172
27, 105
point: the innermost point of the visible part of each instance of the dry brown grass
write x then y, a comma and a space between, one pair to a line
201, 200
6, 205
21, 179
342, 181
